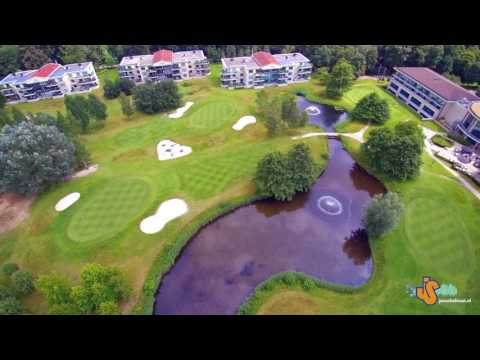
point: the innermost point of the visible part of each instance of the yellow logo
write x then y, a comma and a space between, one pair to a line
428, 292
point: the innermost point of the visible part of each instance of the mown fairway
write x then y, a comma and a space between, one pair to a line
103, 226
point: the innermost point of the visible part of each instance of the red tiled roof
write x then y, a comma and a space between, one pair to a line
438, 83
46, 70
263, 58
162, 55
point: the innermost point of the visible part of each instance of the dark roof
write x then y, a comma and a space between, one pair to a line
437, 83
263, 58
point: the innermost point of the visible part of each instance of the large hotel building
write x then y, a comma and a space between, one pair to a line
434, 97
50, 81
264, 69
164, 65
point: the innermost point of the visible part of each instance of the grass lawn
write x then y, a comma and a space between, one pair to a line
103, 226
438, 234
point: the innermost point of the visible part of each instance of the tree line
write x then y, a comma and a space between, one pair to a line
460, 62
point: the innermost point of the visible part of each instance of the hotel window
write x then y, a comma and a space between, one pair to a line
415, 101
404, 93
428, 110
468, 121
394, 86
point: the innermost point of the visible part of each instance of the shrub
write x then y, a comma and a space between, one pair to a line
382, 214
372, 108
9, 268
152, 98
458, 138
65, 309
396, 153
6, 292
111, 89
309, 284
22, 282
10, 306
126, 86
442, 141
290, 279
281, 176
109, 308
45, 157
55, 288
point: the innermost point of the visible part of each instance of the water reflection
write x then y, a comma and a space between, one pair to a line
357, 248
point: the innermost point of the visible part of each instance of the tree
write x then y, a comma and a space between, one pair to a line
9, 268
340, 79
73, 53
127, 106
4, 118
126, 86
33, 157
32, 56
100, 284
291, 114
6, 292
322, 74
281, 176
152, 98
109, 308
301, 167
3, 101
272, 178
97, 108
55, 288
65, 309
82, 156
393, 153
394, 55
8, 59
111, 89
372, 108
22, 282
412, 130
10, 306
78, 107
382, 214
18, 116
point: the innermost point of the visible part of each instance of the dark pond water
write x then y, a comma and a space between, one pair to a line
327, 117
318, 233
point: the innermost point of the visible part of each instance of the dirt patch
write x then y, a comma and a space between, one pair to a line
13, 210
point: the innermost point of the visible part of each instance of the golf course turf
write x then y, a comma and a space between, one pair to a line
103, 226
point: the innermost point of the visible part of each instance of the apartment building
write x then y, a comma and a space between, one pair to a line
431, 95
50, 81
164, 65
264, 69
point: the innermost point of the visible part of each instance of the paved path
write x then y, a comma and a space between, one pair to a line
357, 136
430, 148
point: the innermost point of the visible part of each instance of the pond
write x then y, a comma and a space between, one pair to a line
324, 116
318, 233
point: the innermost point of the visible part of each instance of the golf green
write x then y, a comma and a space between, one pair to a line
109, 209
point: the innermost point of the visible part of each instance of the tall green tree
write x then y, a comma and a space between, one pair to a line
372, 108
22, 282
127, 106
33, 157
97, 108
78, 108
111, 89
8, 59
152, 98
382, 214
55, 288
340, 79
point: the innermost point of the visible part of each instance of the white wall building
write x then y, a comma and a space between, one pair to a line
50, 81
264, 69
164, 65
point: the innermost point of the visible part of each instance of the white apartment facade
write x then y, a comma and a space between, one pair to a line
264, 69
164, 65
50, 81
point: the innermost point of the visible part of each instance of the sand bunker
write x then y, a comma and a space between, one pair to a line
244, 121
312, 110
168, 210
67, 201
168, 150
85, 172
180, 111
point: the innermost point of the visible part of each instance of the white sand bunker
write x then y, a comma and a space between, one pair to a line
85, 172
244, 121
180, 111
67, 201
312, 110
168, 210
168, 150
